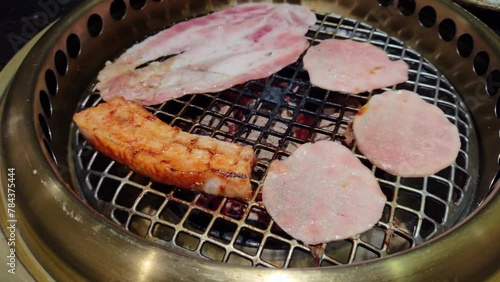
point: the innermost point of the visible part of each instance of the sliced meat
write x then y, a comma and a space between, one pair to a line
404, 135
129, 134
321, 193
352, 67
213, 53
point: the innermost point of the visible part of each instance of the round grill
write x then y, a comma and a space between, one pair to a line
82, 216
275, 115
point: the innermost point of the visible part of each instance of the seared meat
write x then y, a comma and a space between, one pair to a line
321, 193
404, 135
352, 67
209, 53
129, 134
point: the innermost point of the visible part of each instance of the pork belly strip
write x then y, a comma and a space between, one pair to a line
129, 134
209, 54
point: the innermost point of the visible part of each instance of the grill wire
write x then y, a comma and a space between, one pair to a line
274, 115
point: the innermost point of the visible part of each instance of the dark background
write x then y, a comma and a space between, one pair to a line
21, 20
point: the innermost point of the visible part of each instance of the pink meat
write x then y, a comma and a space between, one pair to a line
212, 53
352, 67
404, 135
321, 193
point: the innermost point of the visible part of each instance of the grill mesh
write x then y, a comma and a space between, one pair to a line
274, 115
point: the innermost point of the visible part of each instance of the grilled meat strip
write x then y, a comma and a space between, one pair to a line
129, 134
209, 53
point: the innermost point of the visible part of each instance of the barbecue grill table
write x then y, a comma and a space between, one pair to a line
22, 24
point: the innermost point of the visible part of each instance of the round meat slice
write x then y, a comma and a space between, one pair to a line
404, 135
352, 67
321, 193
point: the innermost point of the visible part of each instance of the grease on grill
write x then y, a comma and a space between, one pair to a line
276, 115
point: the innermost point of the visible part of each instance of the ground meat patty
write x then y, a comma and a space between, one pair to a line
404, 135
321, 193
352, 67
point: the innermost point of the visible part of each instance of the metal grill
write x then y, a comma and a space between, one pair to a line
274, 115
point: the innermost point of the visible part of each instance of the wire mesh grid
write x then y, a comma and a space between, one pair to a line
275, 115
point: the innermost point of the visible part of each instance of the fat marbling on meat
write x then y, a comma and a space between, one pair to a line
129, 134
404, 135
209, 53
352, 67
321, 193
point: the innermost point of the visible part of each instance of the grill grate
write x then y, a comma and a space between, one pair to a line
274, 115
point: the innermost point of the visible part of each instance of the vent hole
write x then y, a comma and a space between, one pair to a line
447, 29
49, 150
118, 9
497, 108
427, 16
481, 62
137, 4
45, 127
61, 62
465, 44
407, 7
73, 45
493, 84
46, 104
51, 82
94, 25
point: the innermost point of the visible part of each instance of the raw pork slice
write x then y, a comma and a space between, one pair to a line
404, 135
129, 134
352, 67
321, 193
209, 53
